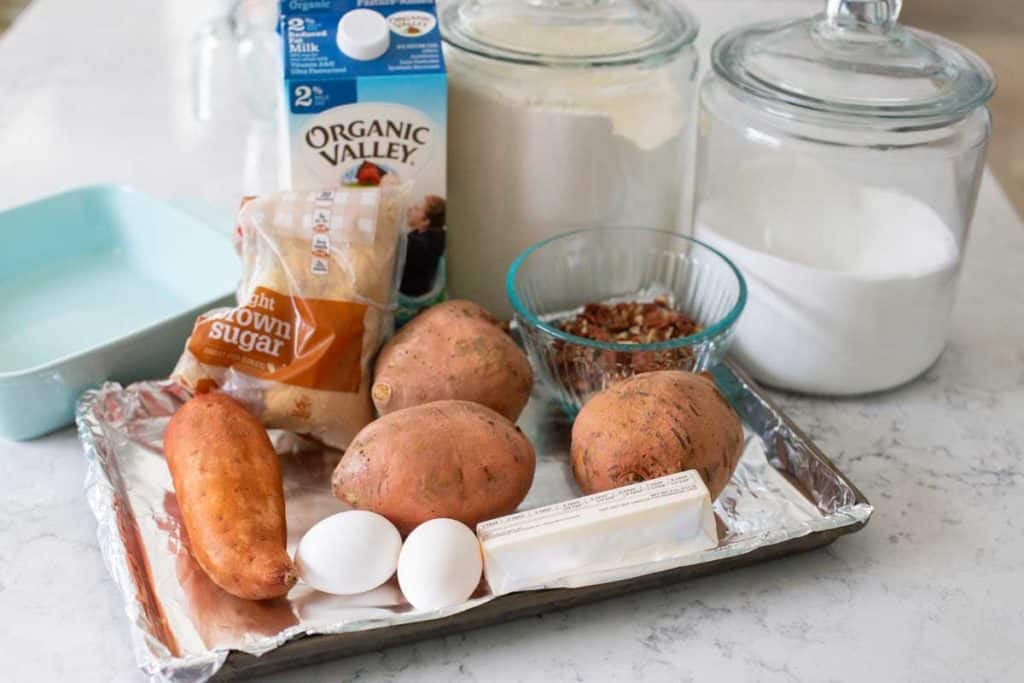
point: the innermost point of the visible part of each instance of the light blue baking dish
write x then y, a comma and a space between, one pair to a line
99, 283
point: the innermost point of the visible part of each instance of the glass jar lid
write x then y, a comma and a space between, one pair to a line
855, 59
568, 32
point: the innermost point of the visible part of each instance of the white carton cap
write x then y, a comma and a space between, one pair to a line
363, 34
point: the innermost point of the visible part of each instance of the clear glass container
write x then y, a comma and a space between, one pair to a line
838, 162
562, 114
552, 281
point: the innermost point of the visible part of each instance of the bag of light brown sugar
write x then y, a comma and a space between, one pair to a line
319, 283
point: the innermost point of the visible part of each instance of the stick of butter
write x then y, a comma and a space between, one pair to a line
566, 543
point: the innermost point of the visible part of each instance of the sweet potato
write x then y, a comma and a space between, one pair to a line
454, 350
227, 478
221, 619
452, 459
654, 424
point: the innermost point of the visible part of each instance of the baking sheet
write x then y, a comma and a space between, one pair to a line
184, 627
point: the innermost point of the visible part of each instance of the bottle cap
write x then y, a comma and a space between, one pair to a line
363, 34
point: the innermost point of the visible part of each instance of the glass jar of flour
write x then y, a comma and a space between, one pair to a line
561, 114
838, 164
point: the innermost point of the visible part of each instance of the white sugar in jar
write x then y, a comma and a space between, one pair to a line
838, 162
860, 306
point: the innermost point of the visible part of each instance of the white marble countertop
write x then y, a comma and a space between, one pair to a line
929, 591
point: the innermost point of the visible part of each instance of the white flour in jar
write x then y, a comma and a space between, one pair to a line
850, 290
534, 151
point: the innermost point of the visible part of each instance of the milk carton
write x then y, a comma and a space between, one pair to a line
366, 103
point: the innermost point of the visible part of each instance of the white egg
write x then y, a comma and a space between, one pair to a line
348, 553
440, 564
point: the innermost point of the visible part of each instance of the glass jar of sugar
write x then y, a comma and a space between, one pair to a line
838, 165
561, 114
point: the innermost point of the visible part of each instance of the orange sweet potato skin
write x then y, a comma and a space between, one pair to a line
227, 479
452, 459
652, 425
452, 351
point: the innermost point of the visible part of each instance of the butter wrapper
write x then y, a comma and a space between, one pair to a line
660, 519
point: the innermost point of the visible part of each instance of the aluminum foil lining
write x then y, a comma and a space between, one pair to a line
183, 626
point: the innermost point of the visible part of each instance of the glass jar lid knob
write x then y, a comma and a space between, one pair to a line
879, 15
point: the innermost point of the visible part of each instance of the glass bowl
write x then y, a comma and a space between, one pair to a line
554, 279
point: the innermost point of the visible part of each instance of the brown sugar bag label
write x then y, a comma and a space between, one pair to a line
311, 343
319, 284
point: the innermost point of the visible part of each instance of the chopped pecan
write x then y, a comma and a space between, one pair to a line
632, 322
